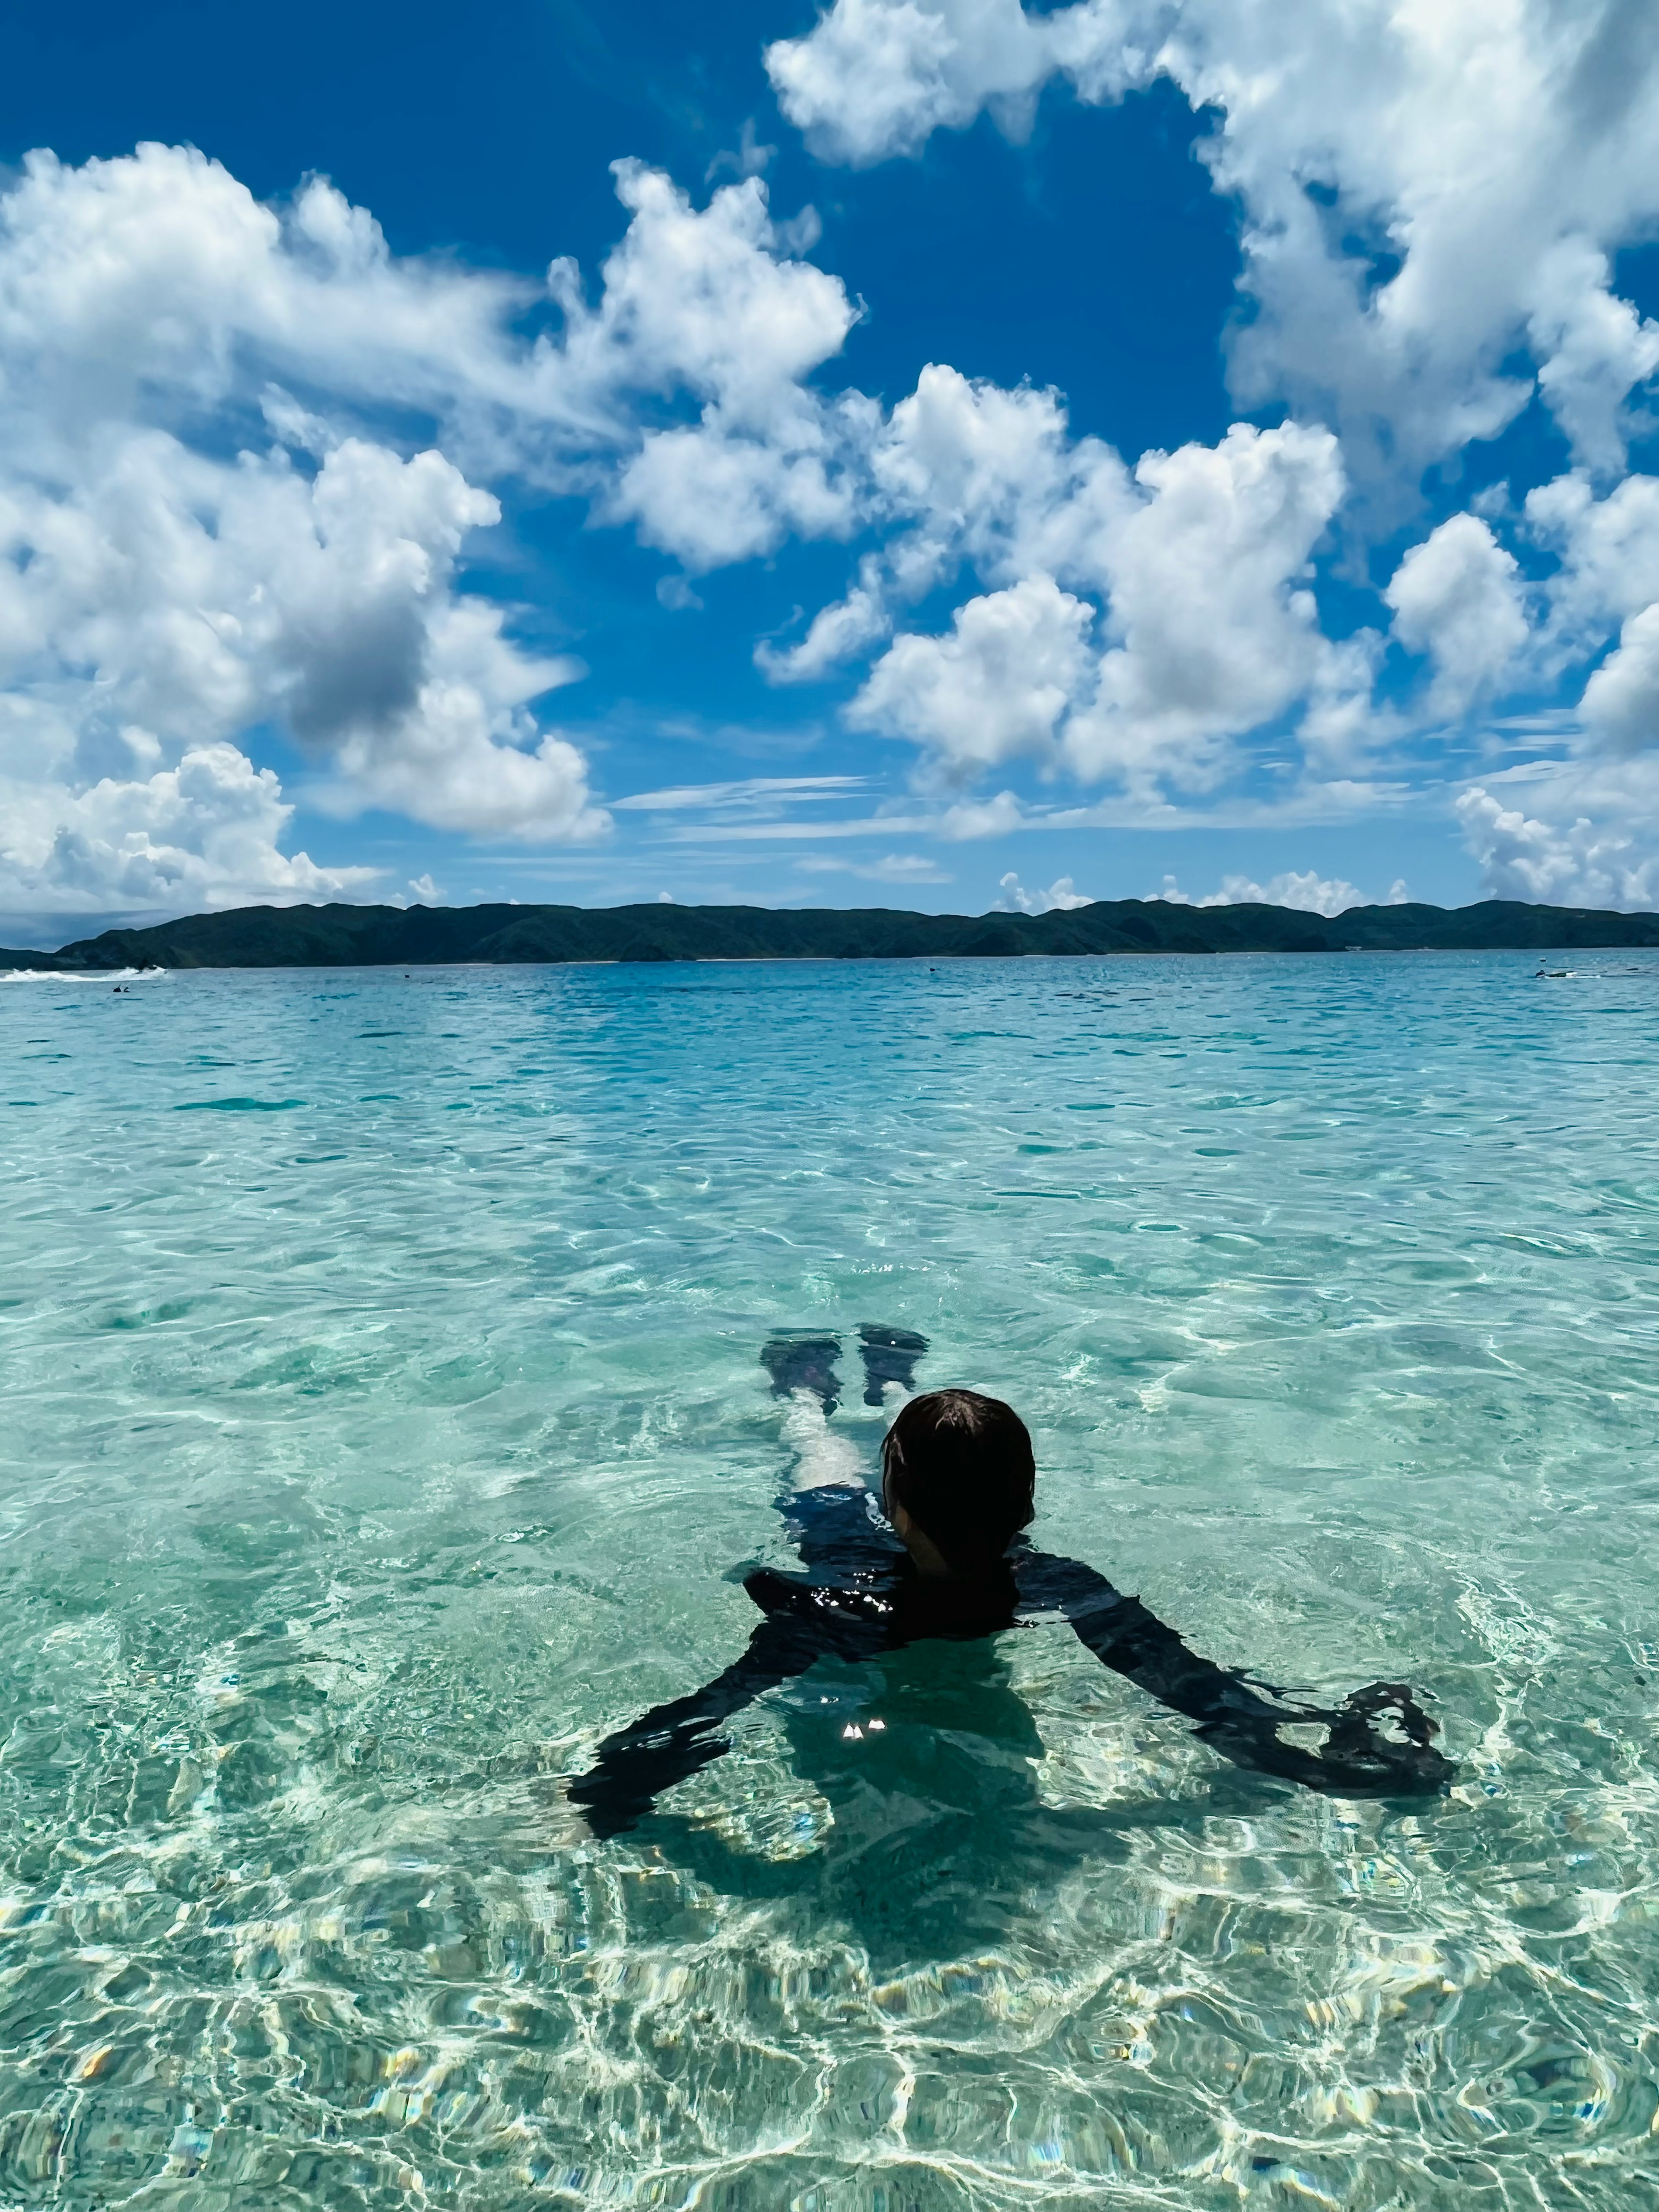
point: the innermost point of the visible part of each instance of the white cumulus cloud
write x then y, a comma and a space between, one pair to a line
1609, 549
1580, 863
1621, 699
188, 551
1143, 618
1061, 896
1303, 890
204, 834
991, 690
1424, 191
878, 77
1206, 578
715, 304
1455, 598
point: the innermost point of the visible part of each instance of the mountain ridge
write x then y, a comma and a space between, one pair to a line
369, 936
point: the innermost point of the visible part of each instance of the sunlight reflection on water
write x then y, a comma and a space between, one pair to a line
383, 1428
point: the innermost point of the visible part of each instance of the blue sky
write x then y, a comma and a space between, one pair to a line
963, 457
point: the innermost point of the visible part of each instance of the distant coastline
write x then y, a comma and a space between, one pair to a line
381, 936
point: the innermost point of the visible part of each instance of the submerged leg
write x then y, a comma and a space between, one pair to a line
804, 1359
889, 1356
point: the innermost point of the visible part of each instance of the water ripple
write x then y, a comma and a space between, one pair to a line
361, 1468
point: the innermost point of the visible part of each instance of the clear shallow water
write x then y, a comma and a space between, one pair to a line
382, 1416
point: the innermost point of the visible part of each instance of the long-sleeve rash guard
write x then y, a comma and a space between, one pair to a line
862, 1594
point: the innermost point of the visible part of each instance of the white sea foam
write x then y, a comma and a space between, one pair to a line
96, 976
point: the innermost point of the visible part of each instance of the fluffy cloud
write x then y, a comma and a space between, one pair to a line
1594, 350
202, 835
1304, 891
1425, 192
1584, 864
1062, 896
710, 302
713, 305
877, 77
1196, 559
1218, 633
966, 819
1609, 549
969, 473
1621, 699
1608, 575
188, 551
964, 473
1455, 598
160, 271
163, 602
990, 691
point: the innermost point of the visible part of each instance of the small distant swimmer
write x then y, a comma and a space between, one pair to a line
944, 1556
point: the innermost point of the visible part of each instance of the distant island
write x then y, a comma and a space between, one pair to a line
424, 937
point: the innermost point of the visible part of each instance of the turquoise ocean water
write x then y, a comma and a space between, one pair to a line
382, 1421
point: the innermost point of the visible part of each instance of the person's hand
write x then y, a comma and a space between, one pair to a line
1407, 1763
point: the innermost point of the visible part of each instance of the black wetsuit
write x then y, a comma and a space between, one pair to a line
863, 1596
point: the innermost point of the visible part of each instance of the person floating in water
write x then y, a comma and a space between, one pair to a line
946, 1556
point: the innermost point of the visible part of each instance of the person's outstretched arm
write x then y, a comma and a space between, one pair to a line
671, 1741
1235, 1719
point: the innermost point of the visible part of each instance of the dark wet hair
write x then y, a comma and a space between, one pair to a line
962, 1467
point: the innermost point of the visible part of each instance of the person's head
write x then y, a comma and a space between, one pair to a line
959, 1468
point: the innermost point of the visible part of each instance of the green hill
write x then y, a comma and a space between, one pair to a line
381, 936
